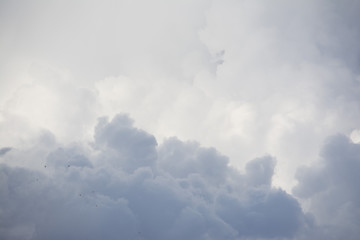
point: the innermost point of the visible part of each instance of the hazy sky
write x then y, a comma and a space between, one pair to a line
232, 119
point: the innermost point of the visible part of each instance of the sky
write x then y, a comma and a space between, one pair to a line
201, 119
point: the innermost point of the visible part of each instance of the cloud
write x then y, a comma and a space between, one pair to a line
243, 75
259, 171
248, 78
181, 159
66, 158
132, 148
124, 186
291, 64
331, 187
4, 150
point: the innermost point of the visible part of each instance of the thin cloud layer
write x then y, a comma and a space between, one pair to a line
126, 187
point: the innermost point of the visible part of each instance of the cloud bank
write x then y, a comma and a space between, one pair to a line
125, 186
331, 189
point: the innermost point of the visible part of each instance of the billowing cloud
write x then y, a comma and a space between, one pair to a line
331, 188
211, 84
124, 186
247, 77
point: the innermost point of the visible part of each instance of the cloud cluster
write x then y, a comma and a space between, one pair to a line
249, 77
245, 75
331, 188
287, 68
127, 187
123, 185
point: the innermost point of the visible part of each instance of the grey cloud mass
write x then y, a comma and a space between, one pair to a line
331, 188
127, 187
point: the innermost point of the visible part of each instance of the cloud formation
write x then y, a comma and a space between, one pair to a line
245, 75
331, 188
125, 186
216, 83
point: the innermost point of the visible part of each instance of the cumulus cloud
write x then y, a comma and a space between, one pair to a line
259, 171
246, 75
291, 65
124, 186
331, 188
132, 148
244, 78
182, 159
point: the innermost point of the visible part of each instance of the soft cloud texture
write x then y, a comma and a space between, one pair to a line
123, 185
242, 78
248, 77
4, 150
126, 187
331, 188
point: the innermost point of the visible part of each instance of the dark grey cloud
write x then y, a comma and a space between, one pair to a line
331, 188
125, 187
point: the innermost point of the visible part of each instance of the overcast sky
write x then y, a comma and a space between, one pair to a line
186, 119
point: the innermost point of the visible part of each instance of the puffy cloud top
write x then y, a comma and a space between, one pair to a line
126, 187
